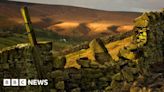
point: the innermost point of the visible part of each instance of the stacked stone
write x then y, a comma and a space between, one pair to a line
99, 51
89, 78
13, 62
18, 62
147, 49
155, 37
149, 35
139, 39
104, 75
107, 76
122, 75
46, 56
58, 76
73, 83
153, 51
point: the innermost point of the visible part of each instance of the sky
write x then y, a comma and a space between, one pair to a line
109, 5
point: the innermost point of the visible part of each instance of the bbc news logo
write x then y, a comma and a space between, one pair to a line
24, 82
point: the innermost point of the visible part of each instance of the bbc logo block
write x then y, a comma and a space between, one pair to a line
6, 82
14, 82
22, 82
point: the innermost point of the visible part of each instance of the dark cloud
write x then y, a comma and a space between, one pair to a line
111, 5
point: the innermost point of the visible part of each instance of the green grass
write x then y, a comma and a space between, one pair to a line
9, 41
20, 36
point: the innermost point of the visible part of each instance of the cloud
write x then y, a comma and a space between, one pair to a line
110, 5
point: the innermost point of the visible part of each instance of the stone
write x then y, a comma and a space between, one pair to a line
97, 91
134, 70
5, 66
125, 87
142, 21
66, 75
153, 16
127, 74
99, 51
142, 30
72, 70
76, 90
91, 73
131, 47
102, 57
60, 85
18, 62
71, 85
104, 79
4, 57
95, 66
75, 76
57, 74
108, 89
109, 76
117, 77
114, 85
98, 46
53, 90
135, 89
102, 84
62, 91
88, 85
59, 63
127, 54
84, 63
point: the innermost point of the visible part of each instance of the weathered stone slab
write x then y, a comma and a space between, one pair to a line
84, 63
99, 51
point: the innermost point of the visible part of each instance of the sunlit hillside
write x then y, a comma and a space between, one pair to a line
68, 20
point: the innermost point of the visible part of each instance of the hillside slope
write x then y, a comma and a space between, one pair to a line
68, 20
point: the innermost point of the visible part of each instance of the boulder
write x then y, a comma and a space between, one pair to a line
98, 46
99, 50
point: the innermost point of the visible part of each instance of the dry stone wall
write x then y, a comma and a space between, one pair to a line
18, 62
138, 68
